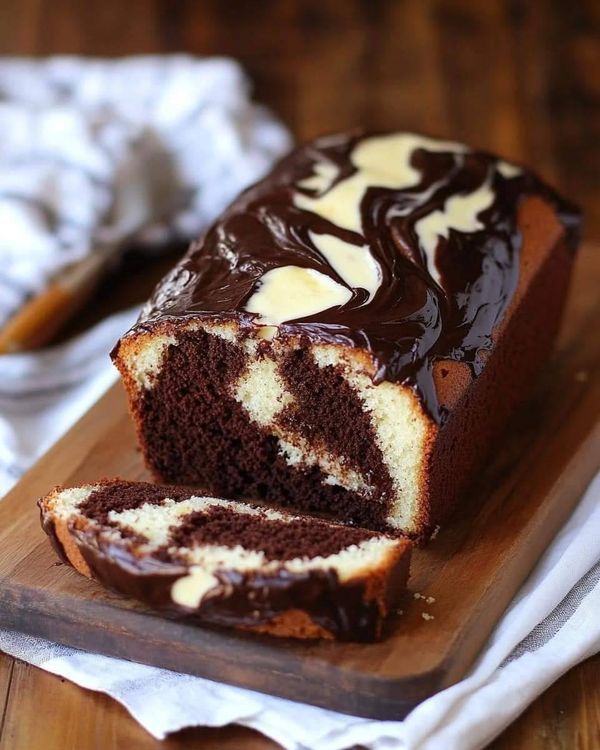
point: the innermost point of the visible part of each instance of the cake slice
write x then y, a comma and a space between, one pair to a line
354, 332
229, 563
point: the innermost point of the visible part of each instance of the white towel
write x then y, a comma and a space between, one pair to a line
43, 393
74, 133
551, 625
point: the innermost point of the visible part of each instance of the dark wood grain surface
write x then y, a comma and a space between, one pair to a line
522, 78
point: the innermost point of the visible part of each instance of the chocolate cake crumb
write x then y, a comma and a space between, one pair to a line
277, 539
120, 496
195, 432
333, 413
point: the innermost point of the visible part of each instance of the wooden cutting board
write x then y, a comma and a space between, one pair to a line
471, 570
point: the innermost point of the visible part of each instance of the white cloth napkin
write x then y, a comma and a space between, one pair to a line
43, 393
93, 152
552, 624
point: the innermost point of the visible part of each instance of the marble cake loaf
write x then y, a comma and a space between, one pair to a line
229, 563
354, 331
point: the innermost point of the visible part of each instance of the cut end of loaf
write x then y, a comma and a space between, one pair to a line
303, 415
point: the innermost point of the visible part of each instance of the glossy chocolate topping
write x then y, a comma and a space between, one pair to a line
244, 600
411, 244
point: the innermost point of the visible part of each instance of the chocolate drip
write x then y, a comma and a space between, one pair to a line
244, 600
413, 319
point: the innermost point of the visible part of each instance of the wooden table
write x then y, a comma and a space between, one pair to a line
518, 77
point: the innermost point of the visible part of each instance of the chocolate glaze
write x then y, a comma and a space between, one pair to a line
412, 321
240, 599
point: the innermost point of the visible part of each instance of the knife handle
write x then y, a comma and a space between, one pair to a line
38, 321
